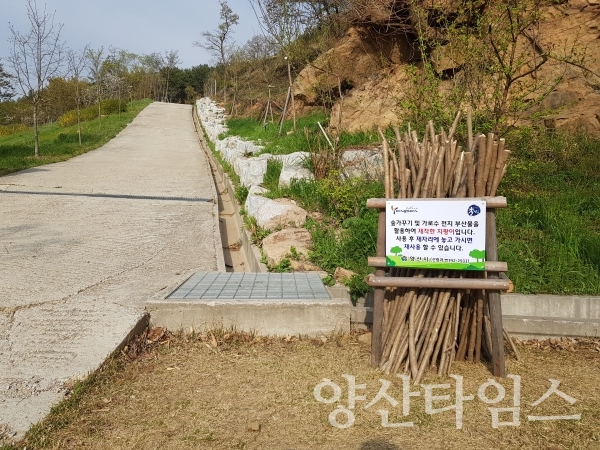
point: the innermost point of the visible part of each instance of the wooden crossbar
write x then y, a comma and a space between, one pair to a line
441, 283
490, 266
491, 202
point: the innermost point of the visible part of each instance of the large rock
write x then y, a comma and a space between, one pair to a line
273, 214
295, 159
366, 163
257, 190
231, 148
342, 275
293, 172
252, 148
353, 60
276, 246
250, 170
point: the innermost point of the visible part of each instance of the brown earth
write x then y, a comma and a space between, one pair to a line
369, 67
226, 390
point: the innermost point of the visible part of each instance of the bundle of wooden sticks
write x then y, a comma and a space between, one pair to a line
429, 328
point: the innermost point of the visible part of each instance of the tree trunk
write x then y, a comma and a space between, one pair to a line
292, 94
78, 113
35, 128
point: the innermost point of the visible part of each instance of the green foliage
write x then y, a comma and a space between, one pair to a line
241, 193
257, 233
346, 198
6, 130
61, 143
484, 54
110, 106
294, 254
271, 178
253, 130
357, 286
186, 84
550, 233
304, 192
348, 248
284, 266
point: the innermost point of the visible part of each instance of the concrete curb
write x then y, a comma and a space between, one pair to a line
269, 318
215, 209
542, 316
251, 252
538, 316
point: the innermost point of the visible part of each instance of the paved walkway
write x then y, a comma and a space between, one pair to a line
83, 245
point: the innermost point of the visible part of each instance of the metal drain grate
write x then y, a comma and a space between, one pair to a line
254, 286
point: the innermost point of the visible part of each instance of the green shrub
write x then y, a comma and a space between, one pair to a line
6, 130
110, 106
271, 178
241, 194
347, 198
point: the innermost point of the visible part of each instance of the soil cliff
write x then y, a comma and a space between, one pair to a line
364, 78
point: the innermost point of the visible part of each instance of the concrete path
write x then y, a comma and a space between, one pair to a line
85, 243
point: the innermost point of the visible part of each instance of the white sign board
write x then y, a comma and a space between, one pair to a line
436, 234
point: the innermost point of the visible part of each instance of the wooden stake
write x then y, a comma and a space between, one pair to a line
491, 253
377, 328
479, 329
454, 125
470, 127
508, 337
480, 167
470, 174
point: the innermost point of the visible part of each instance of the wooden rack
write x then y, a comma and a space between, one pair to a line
493, 284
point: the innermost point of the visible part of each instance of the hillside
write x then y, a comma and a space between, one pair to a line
368, 67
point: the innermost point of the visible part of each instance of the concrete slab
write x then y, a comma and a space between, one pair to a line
542, 316
539, 316
263, 303
85, 243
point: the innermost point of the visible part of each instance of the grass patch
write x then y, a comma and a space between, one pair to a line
271, 178
203, 391
550, 233
290, 141
61, 143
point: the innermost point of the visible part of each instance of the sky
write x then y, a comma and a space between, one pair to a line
138, 26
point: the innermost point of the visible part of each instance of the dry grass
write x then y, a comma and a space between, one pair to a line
183, 392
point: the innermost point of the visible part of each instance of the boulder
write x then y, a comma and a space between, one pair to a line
340, 274
276, 246
250, 170
252, 148
367, 163
293, 172
295, 159
256, 190
231, 148
272, 214
304, 266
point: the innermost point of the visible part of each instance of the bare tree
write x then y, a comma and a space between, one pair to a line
170, 62
77, 64
259, 47
95, 60
283, 22
36, 57
217, 41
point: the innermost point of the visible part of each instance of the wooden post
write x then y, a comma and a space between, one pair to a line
491, 254
377, 329
287, 100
